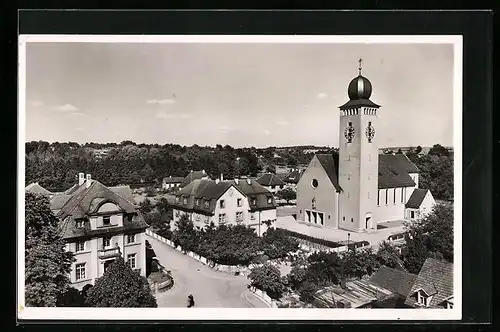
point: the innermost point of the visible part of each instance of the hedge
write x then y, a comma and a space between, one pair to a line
323, 242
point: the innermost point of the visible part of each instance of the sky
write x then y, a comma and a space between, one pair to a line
238, 94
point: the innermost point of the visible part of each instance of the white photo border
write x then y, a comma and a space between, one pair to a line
216, 314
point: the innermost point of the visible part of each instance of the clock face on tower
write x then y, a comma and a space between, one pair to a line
349, 133
370, 132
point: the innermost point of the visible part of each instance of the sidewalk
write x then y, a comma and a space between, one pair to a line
254, 300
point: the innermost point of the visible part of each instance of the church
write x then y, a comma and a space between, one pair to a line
362, 188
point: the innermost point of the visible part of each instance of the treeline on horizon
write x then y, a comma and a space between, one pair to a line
55, 165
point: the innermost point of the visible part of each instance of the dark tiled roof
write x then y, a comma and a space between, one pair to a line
416, 198
58, 201
35, 188
270, 179
359, 103
436, 279
72, 189
174, 179
293, 177
393, 171
193, 175
328, 163
396, 281
207, 190
125, 192
84, 199
404, 163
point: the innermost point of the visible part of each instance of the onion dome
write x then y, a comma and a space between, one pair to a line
359, 88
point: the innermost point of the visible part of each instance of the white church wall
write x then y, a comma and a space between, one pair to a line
392, 208
326, 198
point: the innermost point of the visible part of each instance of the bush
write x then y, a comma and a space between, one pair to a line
268, 279
259, 259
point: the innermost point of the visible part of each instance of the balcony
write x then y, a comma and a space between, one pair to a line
109, 252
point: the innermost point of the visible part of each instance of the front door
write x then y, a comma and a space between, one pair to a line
368, 222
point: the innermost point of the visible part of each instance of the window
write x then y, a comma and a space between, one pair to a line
106, 242
131, 260
412, 214
378, 197
252, 215
130, 238
207, 220
238, 202
386, 195
185, 201
106, 220
80, 271
222, 218
272, 187
197, 202
80, 246
207, 204
422, 299
269, 200
79, 224
402, 189
352, 219
222, 204
239, 216
343, 218
314, 183
348, 176
177, 199
394, 198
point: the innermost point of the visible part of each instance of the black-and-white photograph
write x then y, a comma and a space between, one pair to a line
240, 175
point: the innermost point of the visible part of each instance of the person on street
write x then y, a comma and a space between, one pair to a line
190, 301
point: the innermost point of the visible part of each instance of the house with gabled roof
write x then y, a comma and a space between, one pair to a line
362, 187
193, 175
99, 224
172, 182
236, 202
292, 178
271, 182
420, 204
36, 188
433, 287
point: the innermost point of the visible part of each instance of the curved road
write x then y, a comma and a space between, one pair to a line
211, 289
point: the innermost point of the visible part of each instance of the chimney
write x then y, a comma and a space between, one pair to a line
249, 181
236, 181
88, 181
203, 171
217, 181
221, 177
81, 178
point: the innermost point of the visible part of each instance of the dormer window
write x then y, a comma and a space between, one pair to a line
422, 298
253, 201
177, 199
185, 201
269, 200
79, 223
222, 204
106, 220
207, 204
197, 202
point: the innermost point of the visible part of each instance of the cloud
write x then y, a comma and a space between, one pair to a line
321, 95
35, 103
283, 123
168, 101
66, 108
164, 115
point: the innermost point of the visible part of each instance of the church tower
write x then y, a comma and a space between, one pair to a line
358, 158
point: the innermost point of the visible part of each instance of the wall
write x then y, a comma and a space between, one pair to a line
138, 248
425, 208
358, 171
392, 211
89, 257
230, 198
325, 194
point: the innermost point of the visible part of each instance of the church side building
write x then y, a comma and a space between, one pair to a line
361, 188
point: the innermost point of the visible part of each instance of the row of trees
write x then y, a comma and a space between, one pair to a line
48, 267
232, 244
430, 237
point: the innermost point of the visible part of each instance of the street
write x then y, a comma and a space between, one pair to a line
211, 289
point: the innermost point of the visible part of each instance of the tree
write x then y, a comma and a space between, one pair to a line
48, 264
121, 287
287, 194
359, 263
146, 206
271, 169
277, 244
388, 255
148, 173
185, 235
438, 150
324, 268
431, 236
268, 279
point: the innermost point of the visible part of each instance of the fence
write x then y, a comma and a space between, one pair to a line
242, 270
264, 297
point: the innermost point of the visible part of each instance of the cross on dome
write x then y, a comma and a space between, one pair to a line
359, 68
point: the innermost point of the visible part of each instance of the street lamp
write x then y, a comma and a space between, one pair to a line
348, 238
